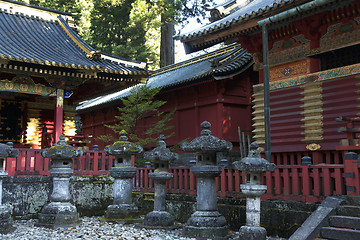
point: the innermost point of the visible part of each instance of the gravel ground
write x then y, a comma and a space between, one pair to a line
91, 228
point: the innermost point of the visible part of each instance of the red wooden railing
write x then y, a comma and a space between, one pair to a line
288, 182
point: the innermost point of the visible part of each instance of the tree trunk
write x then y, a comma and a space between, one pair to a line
167, 52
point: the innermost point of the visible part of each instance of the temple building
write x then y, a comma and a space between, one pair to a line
310, 52
45, 68
215, 87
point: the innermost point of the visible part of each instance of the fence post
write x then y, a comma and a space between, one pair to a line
306, 189
223, 183
351, 173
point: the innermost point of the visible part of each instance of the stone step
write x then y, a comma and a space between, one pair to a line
349, 210
340, 233
344, 222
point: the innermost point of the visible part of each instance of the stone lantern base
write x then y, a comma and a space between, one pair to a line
58, 214
159, 218
5, 219
122, 212
252, 233
206, 224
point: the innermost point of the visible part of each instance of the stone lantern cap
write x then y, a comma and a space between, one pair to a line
254, 162
6, 150
123, 146
160, 153
206, 142
61, 150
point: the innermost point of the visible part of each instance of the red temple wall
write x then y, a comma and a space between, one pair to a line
339, 98
225, 104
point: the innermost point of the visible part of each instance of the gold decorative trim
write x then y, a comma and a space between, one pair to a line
313, 112
258, 119
25, 87
87, 51
59, 97
313, 146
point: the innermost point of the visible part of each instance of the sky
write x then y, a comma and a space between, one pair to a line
180, 54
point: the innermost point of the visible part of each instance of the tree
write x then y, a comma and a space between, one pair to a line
141, 104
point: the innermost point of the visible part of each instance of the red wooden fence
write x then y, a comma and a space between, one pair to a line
332, 175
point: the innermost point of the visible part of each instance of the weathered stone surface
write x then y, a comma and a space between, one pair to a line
92, 194
7, 150
160, 153
206, 224
122, 212
319, 218
252, 233
206, 221
6, 221
340, 234
160, 156
348, 210
5, 210
123, 172
56, 214
253, 165
123, 150
161, 176
206, 142
61, 150
254, 162
60, 212
158, 218
344, 222
206, 171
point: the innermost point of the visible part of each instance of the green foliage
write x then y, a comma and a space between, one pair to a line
141, 104
126, 28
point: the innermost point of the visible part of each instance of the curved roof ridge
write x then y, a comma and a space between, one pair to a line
76, 38
195, 59
37, 7
29, 10
94, 54
252, 9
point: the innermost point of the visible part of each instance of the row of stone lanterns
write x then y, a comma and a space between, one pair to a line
205, 222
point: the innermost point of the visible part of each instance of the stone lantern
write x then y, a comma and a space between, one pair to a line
206, 222
60, 212
6, 150
160, 156
254, 166
123, 208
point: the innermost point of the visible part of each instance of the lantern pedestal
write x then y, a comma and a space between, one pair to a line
6, 220
206, 222
60, 212
254, 165
159, 217
123, 207
252, 230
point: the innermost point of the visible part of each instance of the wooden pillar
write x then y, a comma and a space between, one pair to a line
59, 114
220, 108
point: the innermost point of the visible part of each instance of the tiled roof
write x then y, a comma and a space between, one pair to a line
245, 12
219, 64
53, 43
